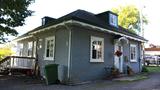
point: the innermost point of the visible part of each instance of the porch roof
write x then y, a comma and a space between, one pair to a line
88, 18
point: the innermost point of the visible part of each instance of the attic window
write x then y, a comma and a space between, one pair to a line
113, 20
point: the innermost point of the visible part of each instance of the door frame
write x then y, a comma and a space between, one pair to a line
120, 59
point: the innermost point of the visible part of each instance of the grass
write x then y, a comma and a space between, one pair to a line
153, 68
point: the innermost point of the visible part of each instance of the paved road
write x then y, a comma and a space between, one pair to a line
23, 83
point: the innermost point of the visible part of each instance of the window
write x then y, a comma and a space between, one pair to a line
133, 53
30, 44
113, 20
97, 46
20, 49
49, 48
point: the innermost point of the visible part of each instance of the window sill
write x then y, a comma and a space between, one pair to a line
134, 61
49, 58
96, 61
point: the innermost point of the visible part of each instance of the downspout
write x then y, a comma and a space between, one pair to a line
69, 51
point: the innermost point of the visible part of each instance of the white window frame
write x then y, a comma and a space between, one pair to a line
133, 46
30, 49
46, 39
114, 18
21, 45
93, 38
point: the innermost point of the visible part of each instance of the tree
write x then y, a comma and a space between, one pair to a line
13, 14
129, 17
5, 51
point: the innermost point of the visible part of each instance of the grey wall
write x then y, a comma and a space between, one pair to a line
136, 66
82, 69
61, 47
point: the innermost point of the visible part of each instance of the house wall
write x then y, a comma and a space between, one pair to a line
61, 48
136, 66
152, 52
81, 67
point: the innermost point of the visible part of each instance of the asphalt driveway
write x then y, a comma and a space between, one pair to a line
28, 83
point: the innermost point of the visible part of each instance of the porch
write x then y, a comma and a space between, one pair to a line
11, 64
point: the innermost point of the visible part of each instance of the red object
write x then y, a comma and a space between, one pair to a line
118, 53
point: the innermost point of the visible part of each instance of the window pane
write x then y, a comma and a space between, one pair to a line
133, 52
47, 53
94, 51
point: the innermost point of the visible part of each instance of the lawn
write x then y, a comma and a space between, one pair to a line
153, 68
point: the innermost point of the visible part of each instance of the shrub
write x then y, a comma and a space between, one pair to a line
129, 70
144, 69
115, 72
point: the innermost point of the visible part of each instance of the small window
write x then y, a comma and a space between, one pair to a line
133, 53
21, 49
30, 44
113, 20
97, 46
49, 48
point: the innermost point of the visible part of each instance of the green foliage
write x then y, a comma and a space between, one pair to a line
144, 69
129, 17
115, 72
153, 68
5, 51
12, 14
129, 70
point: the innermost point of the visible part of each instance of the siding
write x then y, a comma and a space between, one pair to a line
136, 66
61, 48
82, 68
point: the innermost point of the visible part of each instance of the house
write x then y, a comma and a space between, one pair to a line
152, 50
152, 54
84, 43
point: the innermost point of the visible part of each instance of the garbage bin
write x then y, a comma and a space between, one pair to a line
51, 73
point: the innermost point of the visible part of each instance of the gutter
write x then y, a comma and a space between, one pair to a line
69, 50
88, 25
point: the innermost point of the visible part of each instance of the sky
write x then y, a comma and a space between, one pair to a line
58, 8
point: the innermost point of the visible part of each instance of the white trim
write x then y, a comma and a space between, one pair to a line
26, 37
134, 46
103, 29
99, 39
85, 24
49, 38
118, 60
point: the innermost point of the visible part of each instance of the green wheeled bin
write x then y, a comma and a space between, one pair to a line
51, 73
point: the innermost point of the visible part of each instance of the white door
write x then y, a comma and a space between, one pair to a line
118, 61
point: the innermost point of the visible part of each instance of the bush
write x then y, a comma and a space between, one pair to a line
129, 70
144, 69
115, 72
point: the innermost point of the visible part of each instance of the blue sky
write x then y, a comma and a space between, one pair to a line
58, 8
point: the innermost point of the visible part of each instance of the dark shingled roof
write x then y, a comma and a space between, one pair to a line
90, 18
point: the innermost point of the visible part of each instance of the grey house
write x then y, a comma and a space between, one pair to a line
84, 43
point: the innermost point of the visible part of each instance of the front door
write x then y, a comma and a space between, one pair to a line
118, 61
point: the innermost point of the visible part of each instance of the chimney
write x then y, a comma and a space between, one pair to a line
46, 20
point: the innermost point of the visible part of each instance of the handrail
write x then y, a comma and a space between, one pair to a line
22, 57
5, 59
9, 57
